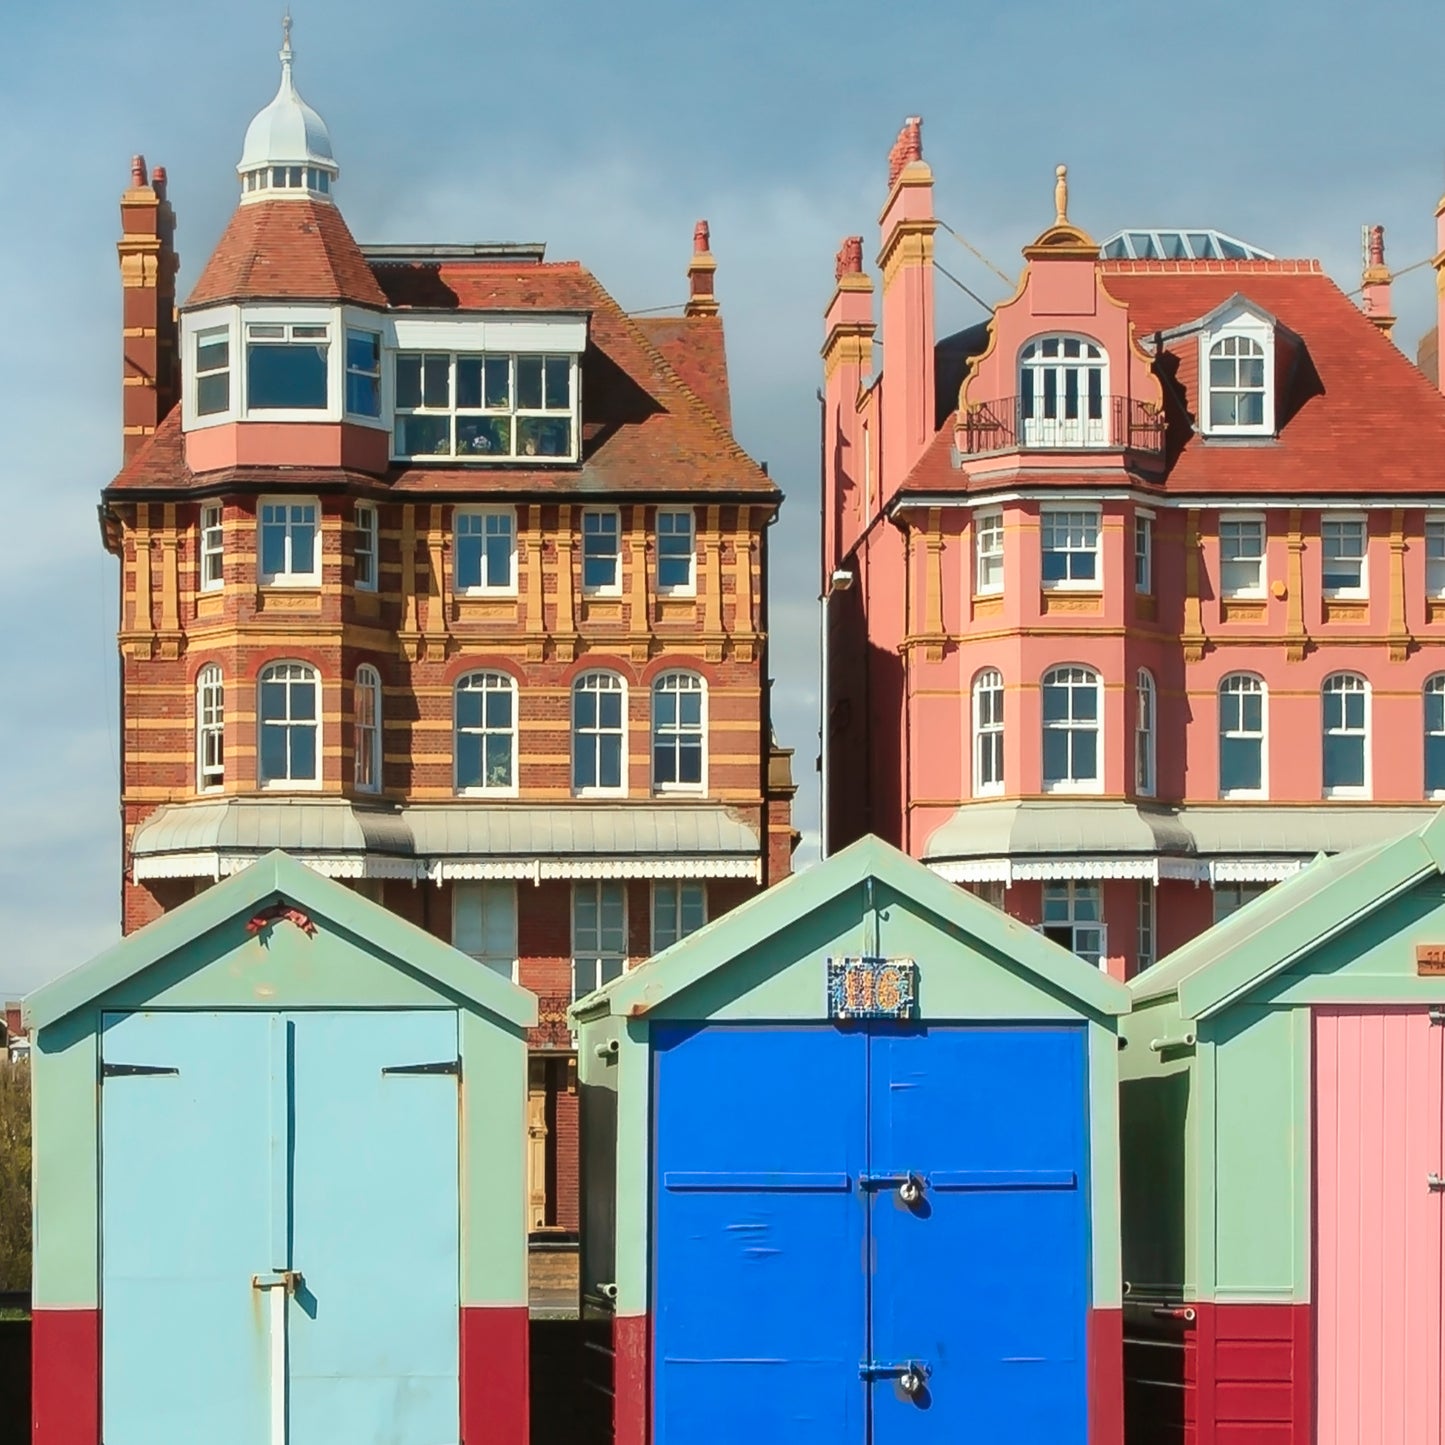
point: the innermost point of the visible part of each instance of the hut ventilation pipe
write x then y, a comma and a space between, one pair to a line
1183, 1041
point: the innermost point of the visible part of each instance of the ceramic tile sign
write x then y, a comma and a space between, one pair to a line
872, 988
1430, 960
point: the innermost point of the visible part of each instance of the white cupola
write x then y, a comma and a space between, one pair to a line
288, 148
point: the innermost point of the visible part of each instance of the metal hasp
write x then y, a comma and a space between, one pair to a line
1436, 1183
912, 1375
910, 1186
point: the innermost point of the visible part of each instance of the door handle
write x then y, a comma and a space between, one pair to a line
910, 1186
912, 1375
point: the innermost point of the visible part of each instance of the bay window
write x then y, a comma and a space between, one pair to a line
286, 366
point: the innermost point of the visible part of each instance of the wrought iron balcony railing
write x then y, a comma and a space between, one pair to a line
1015, 423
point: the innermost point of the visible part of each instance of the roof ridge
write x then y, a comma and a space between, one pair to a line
1254, 266
660, 361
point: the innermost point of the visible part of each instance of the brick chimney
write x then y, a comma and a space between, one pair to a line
151, 364
700, 300
847, 360
1375, 282
906, 261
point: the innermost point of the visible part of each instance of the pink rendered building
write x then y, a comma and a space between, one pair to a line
1134, 593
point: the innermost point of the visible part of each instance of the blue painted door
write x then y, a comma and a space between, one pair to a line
246, 1147
374, 1324
759, 1288
793, 1279
184, 1212
983, 1280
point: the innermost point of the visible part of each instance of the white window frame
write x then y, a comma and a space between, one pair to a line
1146, 942
988, 732
210, 729
988, 556
287, 577
1234, 896
366, 736
994, 892
1344, 687
1071, 726
1088, 937
1332, 524
669, 898
513, 413
1434, 688
1069, 530
367, 547
493, 896
1143, 552
1046, 375
1236, 530
1146, 734
675, 736
209, 336
599, 523
485, 523
298, 331
486, 681
1435, 554
307, 675
1238, 322
593, 736
212, 532
590, 946
373, 375
668, 519
1260, 688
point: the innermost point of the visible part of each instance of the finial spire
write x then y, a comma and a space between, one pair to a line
1061, 196
287, 55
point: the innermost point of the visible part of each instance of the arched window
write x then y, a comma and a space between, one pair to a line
1435, 736
1242, 700
1144, 733
1345, 718
288, 720
366, 740
988, 732
1061, 393
210, 729
1072, 698
485, 724
599, 733
1236, 384
679, 731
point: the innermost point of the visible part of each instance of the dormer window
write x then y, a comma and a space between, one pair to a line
286, 366
484, 408
1061, 393
1236, 371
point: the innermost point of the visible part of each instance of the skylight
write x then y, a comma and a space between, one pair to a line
1175, 245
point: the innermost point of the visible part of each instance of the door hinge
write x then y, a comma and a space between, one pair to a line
1437, 1015
112, 1071
442, 1066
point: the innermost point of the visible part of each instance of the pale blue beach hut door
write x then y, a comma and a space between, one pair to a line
279, 1228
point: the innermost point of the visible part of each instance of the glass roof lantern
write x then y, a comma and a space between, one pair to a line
1179, 245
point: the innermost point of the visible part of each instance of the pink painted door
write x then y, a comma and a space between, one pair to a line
1379, 1137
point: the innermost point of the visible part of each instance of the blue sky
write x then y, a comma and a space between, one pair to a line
606, 130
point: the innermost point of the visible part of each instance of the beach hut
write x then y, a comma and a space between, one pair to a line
850, 1173
278, 1164
1282, 1160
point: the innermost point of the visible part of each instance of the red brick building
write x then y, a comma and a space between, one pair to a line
446, 575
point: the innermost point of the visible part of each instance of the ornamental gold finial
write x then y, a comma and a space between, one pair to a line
1061, 196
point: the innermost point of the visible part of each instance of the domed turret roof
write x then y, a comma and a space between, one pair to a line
287, 132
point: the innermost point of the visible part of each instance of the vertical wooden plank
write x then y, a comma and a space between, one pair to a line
279, 1124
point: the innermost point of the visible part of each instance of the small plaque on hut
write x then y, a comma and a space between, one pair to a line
1430, 959
872, 988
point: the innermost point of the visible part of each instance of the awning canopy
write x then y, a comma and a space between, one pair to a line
468, 839
1230, 843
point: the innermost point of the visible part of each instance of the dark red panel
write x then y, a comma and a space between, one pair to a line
65, 1377
1106, 1377
494, 1375
632, 1395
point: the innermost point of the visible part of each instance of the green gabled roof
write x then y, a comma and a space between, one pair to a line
760, 918
1290, 920
272, 876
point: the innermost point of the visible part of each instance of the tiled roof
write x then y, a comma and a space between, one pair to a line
649, 427
287, 250
1353, 413
694, 347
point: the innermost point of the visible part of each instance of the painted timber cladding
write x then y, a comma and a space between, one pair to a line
765, 964
364, 964
1231, 1145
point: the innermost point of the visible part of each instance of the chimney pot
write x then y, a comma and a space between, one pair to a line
138, 170
849, 260
158, 180
700, 238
